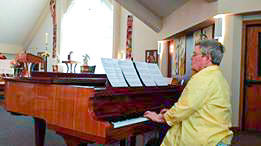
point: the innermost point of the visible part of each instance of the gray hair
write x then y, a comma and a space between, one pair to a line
212, 48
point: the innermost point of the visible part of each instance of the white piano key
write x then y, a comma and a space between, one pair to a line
129, 122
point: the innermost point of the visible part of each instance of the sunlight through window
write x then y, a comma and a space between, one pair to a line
87, 28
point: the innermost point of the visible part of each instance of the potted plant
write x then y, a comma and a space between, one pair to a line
86, 59
85, 67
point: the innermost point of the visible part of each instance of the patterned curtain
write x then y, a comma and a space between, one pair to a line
129, 37
53, 14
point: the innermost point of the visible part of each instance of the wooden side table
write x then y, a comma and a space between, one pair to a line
70, 62
28, 60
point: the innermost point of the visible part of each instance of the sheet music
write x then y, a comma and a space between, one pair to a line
144, 73
156, 74
113, 72
130, 73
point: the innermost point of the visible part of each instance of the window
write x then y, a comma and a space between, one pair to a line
87, 28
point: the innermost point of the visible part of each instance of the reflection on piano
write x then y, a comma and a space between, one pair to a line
83, 109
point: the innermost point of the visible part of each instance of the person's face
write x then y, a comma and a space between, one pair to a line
198, 61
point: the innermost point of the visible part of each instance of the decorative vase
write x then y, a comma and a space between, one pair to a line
87, 69
55, 68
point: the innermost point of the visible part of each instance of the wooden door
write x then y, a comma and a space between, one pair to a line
253, 78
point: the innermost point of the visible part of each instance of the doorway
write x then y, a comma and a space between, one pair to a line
251, 120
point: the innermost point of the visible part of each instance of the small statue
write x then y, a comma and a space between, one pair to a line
69, 56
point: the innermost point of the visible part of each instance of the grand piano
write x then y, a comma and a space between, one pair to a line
84, 107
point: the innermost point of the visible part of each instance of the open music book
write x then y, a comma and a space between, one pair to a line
113, 72
150, 74
124, 73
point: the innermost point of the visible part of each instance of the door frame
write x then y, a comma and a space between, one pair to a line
246, 23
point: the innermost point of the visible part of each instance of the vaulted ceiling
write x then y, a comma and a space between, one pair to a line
162, 8
18, 17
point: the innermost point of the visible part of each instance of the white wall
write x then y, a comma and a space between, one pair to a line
46, 26
39, 41
143, 37
238, 6
116, 29
231, 63
190, 14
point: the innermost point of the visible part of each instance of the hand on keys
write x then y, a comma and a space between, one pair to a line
154, 116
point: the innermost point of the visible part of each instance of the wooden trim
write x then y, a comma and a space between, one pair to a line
169, 59
192, 29
246, 23
242, 78
249, 13
251, 22
213, 31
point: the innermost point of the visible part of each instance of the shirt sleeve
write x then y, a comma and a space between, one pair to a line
192, 98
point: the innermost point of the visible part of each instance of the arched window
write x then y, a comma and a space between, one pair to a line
87, 28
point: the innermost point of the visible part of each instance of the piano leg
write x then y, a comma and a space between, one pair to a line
132, 140
71, 142
74, 141
123, 142
40, 128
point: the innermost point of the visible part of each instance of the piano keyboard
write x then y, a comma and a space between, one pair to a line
127, 122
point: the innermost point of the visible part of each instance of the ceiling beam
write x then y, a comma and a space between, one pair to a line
144, 14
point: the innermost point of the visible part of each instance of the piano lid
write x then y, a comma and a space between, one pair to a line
97, 80
67, 75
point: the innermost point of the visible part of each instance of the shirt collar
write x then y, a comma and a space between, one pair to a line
207, 69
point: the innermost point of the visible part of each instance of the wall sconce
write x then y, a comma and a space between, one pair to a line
219, 27
160, 46
121, 54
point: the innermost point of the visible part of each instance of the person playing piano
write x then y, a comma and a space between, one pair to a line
202, 115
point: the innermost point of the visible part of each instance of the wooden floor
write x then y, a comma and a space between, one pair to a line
247, 138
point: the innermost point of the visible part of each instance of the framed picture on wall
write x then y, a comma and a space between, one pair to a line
151, 56
204, 34
179, 56
196, 37
208, 32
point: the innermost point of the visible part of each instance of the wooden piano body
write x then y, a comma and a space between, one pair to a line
83, 109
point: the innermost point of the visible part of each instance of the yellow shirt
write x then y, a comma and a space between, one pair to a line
202, 116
